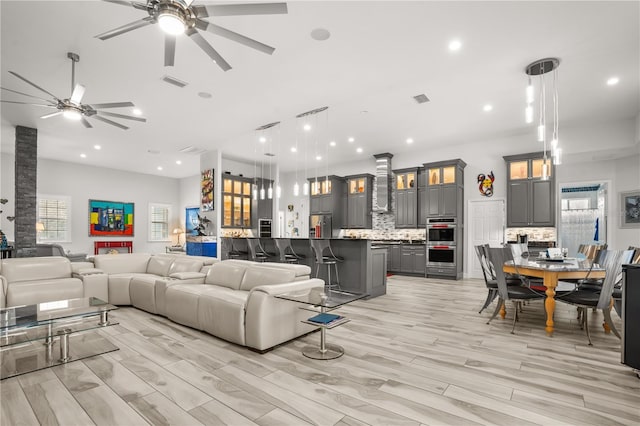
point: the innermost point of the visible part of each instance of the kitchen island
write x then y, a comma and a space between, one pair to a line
364, 269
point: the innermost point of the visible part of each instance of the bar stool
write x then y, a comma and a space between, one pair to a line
256, 251
285, 251
319, 248
236, 253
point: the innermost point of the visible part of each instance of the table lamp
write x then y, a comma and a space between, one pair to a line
178, 231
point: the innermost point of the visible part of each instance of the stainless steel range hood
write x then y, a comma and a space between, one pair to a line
383, 180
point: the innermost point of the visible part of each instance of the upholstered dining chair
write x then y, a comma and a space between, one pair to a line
489, 279
599, 297
515, 293
617, 288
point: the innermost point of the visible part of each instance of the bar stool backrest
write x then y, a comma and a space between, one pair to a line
283, 245
319, 246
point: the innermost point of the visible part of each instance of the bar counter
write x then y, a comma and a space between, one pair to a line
364, 269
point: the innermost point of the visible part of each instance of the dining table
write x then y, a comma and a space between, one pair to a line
552, 271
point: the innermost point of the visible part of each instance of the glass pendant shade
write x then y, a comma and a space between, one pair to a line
541, 133
278, 191
530, 93
545, 173
255, 192
270, 192
262, 193
296, 189
528, 114
557, 156
305, 188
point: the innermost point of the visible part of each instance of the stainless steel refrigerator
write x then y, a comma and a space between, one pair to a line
320, 226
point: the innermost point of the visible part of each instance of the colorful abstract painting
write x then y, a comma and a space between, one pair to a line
206, 186
110, 219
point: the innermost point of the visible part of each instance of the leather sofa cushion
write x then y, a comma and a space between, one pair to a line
300, 270
222, 313
28, 293
159, 266
185, 265
226, 275
122, 263
35, 268
258, 275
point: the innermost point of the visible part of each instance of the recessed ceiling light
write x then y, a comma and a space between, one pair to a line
318, 157
159, 167
262, 139
137, 111
98, 147
351, 140
613, 81
307, 127
455, 45
294, 149
409, 141
204, 95
332, 143
178, 162
487, 107
153, 151
359, 150
83, 155
320, 34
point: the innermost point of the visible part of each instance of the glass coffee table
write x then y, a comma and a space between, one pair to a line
25, 329
321, 302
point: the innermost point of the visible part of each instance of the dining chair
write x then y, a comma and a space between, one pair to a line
617, 288
515, 293
323, 255
489, 278
286, 254
586, 296
256, 252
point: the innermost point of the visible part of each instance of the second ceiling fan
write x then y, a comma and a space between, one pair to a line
179, 16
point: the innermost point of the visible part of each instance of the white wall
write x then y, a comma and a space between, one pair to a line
83, 183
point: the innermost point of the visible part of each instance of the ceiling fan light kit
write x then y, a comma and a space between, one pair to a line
73, 108
176, 17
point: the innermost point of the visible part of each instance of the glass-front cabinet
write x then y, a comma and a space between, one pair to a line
444, 188
236, 201
322, 186
359, 200
529, 169
406, 198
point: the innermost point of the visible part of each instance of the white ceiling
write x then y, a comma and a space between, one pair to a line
380, 54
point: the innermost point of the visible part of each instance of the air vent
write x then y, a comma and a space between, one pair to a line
192, 150
174, 81
421, 99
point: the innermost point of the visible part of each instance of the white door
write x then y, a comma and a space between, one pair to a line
486, 226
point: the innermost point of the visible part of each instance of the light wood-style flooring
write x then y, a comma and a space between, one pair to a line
419, 355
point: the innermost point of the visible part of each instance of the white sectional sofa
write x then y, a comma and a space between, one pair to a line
233, 300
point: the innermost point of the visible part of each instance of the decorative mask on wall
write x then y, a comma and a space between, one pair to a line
485, 184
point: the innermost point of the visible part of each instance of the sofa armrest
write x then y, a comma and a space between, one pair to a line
270, 321
3, 292
95, 283
162, 284
83, 272
76, 266
187, 276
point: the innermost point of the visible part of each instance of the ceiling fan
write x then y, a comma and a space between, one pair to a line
72, 108
179, 16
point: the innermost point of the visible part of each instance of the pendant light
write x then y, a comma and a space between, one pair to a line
306, 128
539, 69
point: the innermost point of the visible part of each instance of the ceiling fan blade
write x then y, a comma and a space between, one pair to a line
25, 94
34, 85
169, 50
127, 117
120, 2
28, 103
77, 94
244, 9
53, 114
113, 105
86, 123
126, 28
113, 123
231, 35
208, 49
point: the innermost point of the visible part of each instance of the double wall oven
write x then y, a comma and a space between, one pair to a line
441, 242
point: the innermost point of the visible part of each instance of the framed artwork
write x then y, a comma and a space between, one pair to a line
110, 219
191, 220
630, 209
206, 190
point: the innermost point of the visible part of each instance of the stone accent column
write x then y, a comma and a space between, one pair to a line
26, 176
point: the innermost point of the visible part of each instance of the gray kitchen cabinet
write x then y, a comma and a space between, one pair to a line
395, 256
406, 198
530, 198
413, 259
423, 201
444, 192
378, 272
359, 201
328, 195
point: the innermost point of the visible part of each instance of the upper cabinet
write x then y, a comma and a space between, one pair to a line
444, 191
359, 201
406, 186
236, 202
530, 198
328, 194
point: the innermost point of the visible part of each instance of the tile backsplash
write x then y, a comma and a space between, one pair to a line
535, 234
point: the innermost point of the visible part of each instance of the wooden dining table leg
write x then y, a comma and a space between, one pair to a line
606, 327
503, 310
550, 281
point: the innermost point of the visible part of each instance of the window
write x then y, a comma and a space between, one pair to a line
54, 213
159, 222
